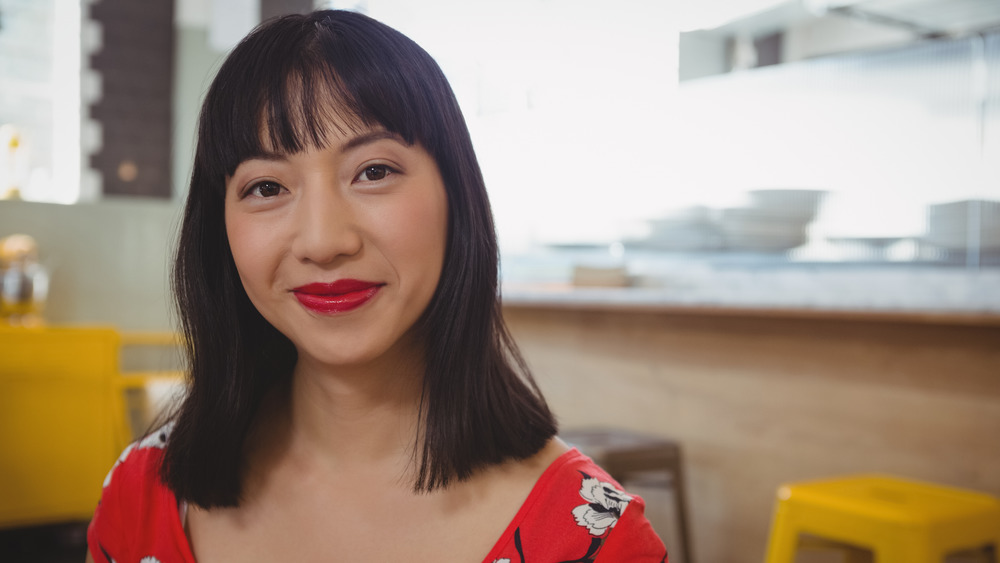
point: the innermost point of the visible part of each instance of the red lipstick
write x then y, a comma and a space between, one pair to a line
337, 297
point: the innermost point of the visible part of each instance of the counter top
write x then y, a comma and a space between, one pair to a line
665, 301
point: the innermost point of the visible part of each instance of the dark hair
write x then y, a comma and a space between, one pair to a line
480, 405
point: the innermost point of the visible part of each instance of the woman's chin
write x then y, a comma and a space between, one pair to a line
344, 359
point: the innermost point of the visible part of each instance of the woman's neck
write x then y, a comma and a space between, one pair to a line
345, 422
360, 414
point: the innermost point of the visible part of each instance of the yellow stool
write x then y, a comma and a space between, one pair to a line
901, 521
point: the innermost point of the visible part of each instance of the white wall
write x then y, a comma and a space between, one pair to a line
567, 102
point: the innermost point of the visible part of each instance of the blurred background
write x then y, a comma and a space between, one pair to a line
821, 154
766, 229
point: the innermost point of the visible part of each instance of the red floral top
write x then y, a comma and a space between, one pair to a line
575, 514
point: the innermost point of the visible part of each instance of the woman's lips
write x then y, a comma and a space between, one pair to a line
337, 297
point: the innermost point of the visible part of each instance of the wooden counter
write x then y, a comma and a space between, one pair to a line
760, 396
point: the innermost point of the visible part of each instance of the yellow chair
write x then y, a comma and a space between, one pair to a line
149, 392
901, 521
64, 418
61, 421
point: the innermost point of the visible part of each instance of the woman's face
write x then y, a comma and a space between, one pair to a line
340, 248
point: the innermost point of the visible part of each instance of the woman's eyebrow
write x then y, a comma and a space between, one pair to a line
268, 156
371, 137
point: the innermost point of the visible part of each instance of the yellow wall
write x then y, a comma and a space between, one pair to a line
756, 401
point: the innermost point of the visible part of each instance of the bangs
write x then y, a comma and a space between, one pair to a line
304, 112
312, 78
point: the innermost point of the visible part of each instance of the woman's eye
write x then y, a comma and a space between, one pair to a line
374, 173
264, 189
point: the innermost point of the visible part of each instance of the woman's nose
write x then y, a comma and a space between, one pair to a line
326, 227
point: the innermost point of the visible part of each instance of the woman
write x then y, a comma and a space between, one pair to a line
352, 381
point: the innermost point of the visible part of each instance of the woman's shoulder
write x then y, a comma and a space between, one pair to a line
137, 516
137, 468
577, 512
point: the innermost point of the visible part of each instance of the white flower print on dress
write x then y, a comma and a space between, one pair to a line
149, 559
504, 560
157, 439
121, 458
605, 505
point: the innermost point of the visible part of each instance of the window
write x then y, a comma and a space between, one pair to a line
40, 99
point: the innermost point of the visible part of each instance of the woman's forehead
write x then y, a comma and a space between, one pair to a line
311, 108
310, 121
311, 134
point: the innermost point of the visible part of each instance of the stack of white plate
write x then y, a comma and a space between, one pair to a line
960, 225
690, 229
775, 220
